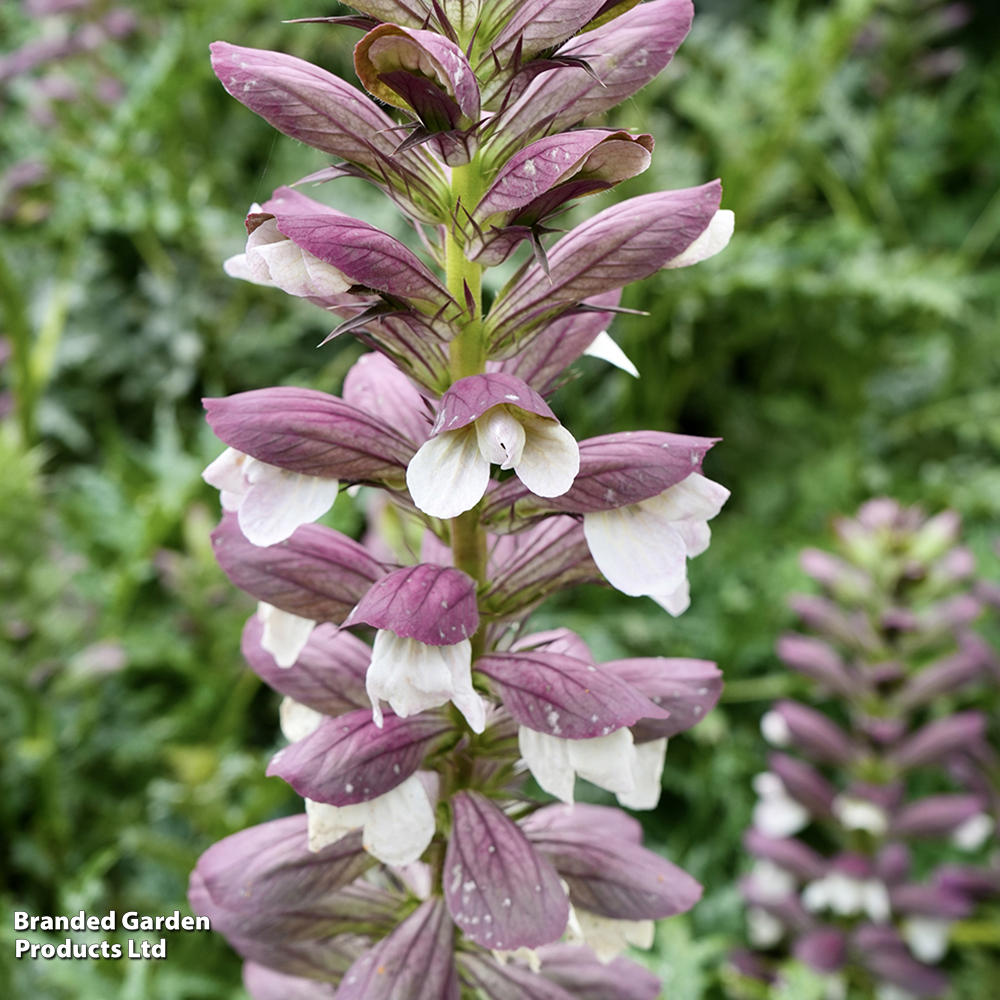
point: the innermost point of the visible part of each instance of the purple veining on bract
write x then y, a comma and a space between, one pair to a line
435, 605
349, 759
562, 696
318, 573
500, 891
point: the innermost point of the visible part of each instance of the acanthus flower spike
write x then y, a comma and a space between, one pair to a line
439, 806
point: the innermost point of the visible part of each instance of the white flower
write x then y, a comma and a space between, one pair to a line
270, 502
606, 349
861, 814
609, 938
398, 826
611, 762
713, 240
927, 937
642, 549
774, 729
297, 720
771, 881
974, 832
285, 635
647, 774
764, 930
413, 676
776, 813
449, 474
847, 897
527, 955
272, 259
890, 991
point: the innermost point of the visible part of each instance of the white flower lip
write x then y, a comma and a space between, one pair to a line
272, 258
606, 349
270, 502
777, 814
450, 472
413, 677
611, 762
285, 635
713, 240
642, 549
608, 937
861, 814
398, 826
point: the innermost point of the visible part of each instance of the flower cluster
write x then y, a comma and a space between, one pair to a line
897, 662
422, 868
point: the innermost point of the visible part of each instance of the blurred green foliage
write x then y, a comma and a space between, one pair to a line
844, 346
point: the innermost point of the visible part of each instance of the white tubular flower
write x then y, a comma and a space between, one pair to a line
297, 720
606, 349
861, 814
764, 930
774, 729
713, 240
610, 762
285, 635
272, 259
270, 503
776, 813
847, 897
974, 832
398, 826
412, 677
927, 937
771, 881
483, 420
642, 549
609, 938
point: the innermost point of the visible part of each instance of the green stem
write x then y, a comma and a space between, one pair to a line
465, 278
467, 357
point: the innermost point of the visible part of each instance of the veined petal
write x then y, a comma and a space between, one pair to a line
606, 761
606, 349
401, 824
647, 774
500, 437
277, 502
713, 240
448, 475
550, 459
547, 758
285, 635
298, 720
637, 549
